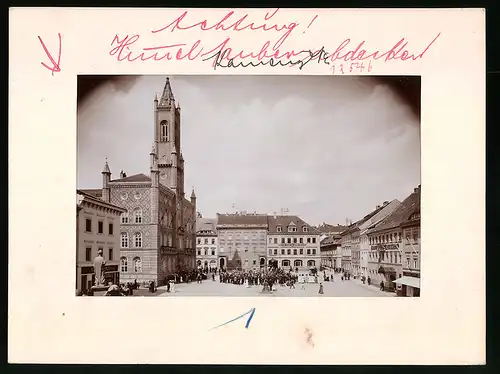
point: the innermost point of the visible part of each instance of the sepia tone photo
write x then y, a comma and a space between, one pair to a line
279, 186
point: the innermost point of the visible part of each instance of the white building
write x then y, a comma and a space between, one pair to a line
293, 243
98, 228
206, 243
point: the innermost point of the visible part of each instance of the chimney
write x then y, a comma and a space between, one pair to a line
385, 203
377, 207
415, 190
122, 174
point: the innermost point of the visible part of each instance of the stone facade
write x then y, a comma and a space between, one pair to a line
98, 228
242, 241
157, 232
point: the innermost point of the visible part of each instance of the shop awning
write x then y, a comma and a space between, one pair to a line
386, 270
408, 281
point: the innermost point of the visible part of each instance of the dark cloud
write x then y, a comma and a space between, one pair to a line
407, 87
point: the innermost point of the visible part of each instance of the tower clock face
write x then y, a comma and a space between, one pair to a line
163, 175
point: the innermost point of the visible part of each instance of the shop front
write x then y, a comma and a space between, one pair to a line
410, 285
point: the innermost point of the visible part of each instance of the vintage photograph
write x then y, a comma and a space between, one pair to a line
278, 186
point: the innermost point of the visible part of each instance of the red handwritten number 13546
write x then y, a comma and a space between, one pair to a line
56, 66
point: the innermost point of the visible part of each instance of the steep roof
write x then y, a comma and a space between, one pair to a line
401, 214
134, 178
285, 221
206, 224
327, 228
95, 192
242, 219
355, 226
97, 200
330, 240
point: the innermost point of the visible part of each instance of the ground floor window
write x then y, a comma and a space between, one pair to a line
297, 263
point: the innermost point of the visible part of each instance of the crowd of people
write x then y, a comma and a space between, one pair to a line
259, 277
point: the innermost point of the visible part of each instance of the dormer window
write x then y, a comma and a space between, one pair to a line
278, 228
304, 229
292, 229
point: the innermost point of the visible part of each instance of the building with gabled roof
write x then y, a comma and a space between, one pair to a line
158, 231
293, 244
386, 256
206, 243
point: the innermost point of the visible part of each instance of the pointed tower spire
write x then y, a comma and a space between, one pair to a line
167, 97
193, 195
106, 168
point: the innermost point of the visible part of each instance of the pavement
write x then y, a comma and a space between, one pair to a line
337, 288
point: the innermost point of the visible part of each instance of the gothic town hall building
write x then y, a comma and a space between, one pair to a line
158, 231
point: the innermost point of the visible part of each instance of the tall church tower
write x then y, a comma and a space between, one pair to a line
167, 137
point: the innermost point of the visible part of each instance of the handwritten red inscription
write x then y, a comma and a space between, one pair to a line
127, 49
56, 66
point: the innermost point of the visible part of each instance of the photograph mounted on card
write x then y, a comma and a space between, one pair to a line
256, 224
249, 182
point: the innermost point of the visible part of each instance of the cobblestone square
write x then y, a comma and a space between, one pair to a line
337, 288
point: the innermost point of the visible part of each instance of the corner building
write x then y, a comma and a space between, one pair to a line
158, 231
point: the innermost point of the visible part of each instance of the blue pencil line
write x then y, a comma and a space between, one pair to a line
250, 318
252, 311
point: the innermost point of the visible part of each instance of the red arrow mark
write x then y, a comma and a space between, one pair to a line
55, 66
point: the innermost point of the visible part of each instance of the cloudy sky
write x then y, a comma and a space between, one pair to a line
326, 148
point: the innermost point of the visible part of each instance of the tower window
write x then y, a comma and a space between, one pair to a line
163, 131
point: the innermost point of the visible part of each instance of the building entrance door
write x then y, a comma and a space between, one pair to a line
222, 263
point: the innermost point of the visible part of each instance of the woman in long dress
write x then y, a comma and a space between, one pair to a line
321, 289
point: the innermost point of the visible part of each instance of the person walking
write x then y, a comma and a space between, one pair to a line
321, 292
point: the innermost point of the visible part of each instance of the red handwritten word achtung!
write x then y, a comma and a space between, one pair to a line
239, 25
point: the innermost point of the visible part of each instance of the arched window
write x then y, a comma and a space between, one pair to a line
124, 217
124, 240
311, 263
297, 263
138, 240
137, 265
163, 131
285, 263
138, 215
123, 264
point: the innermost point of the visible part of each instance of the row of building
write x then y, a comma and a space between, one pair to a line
384, 245
254, 241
